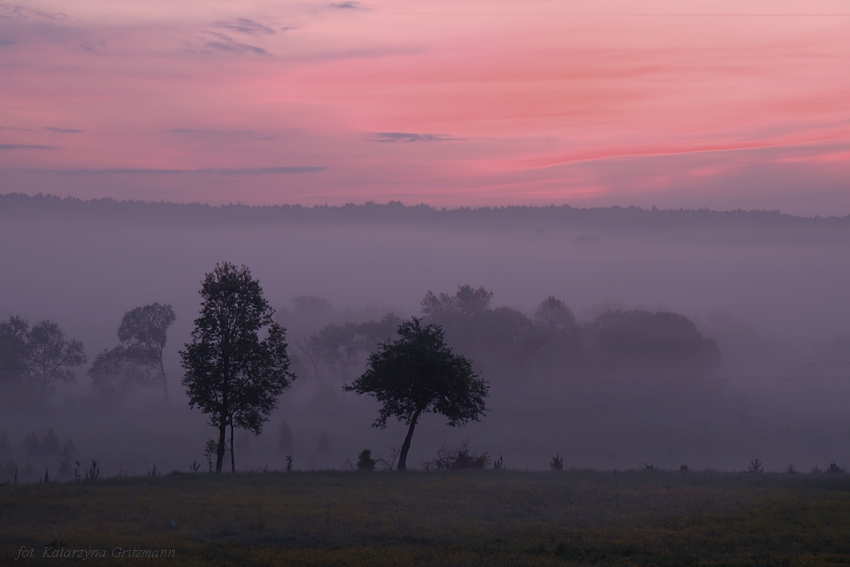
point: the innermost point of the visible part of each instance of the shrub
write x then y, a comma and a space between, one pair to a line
365, 462
834, 468
756, 466
684, 468
94, 472
460, 459
557, 463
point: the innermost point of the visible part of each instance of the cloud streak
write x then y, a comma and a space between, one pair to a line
206, 171
26, 147
408, 137
347, 6
226, 43
209, 132
63, 130
23, 13
246, 26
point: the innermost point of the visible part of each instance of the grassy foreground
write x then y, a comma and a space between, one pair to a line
440, 519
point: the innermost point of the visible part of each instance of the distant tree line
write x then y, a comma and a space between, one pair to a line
505, 341
237, 363
34, 359
564, 216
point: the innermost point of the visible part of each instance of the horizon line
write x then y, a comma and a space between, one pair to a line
432, 208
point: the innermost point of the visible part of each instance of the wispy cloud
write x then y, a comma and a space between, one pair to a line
209, 132
16, 129
237, 47
246, 26
63, 130
207, 171
25, 147
226, 43
348, 6
20, 12
407, 137
7, 42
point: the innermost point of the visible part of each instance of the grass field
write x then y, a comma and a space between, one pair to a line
444, 518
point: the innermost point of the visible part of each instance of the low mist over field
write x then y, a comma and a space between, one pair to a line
768, 291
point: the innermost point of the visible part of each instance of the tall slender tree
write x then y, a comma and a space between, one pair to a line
231, 374
143, 332
138, 359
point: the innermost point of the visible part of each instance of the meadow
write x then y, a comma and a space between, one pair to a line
442, 518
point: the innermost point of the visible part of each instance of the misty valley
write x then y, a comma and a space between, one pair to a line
614, 338
628, 386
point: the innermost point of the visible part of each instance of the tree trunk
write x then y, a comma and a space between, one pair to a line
164, 379
232, 452
402, 458
222, 439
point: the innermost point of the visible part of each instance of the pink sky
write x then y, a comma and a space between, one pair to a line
450, 103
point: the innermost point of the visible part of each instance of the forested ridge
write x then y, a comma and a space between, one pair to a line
563, 216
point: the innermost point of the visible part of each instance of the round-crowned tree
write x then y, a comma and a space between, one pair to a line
416, 374
232, 374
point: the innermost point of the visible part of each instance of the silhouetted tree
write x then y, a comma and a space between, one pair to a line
33, 360
365, 462
231, 374
466, 301
417, 373
138, 359
143, 332
51, 357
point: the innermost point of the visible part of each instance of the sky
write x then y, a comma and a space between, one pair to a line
705, 103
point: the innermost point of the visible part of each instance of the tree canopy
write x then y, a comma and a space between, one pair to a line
231, 374
34, 359
417, 373
658, 342
138, 359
